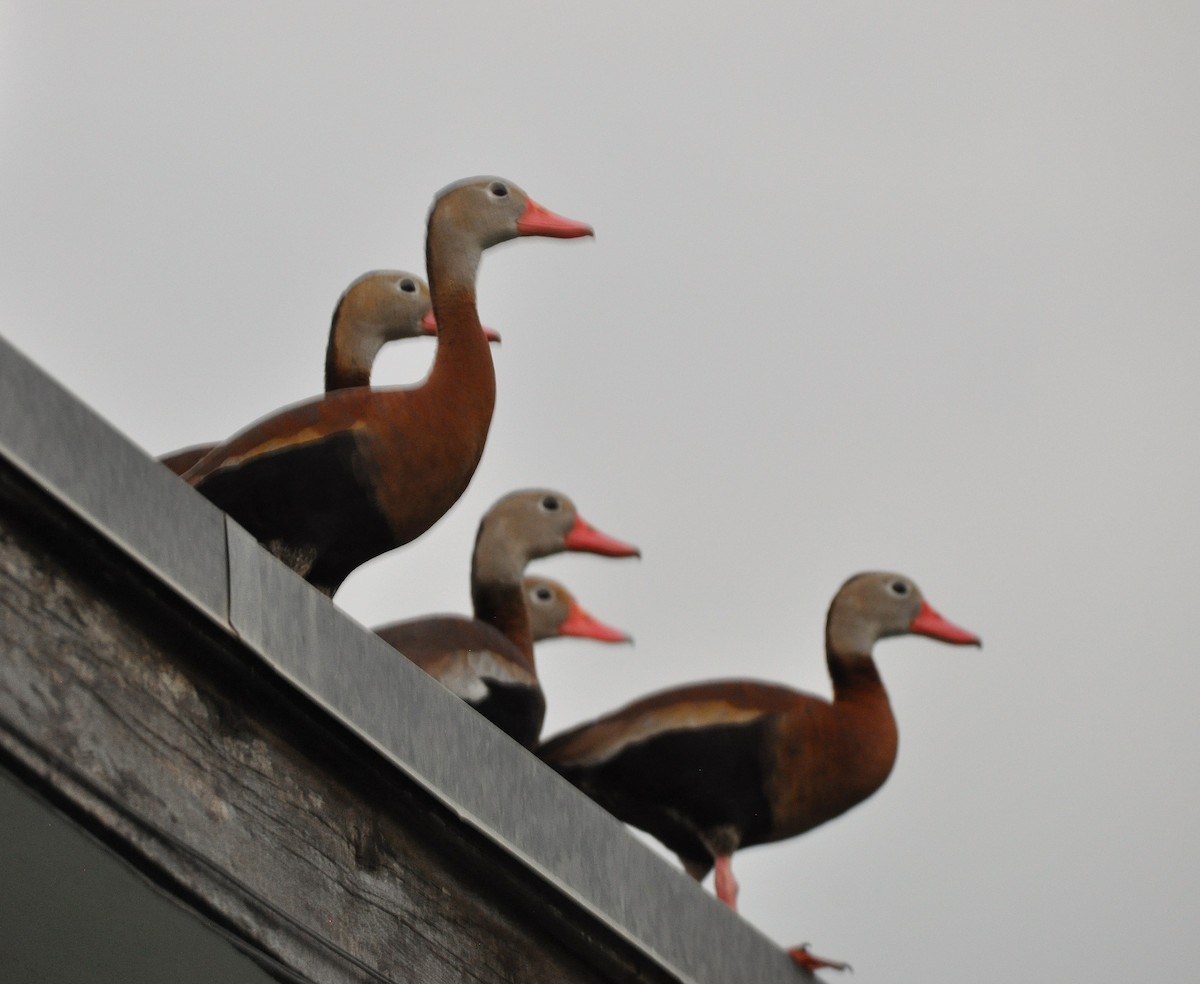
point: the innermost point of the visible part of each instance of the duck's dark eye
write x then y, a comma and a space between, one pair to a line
550, 503
408, 286
899, 588
499, 189
543, 594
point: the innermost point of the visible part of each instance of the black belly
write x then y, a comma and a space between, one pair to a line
315, 500
689, 788
516, 710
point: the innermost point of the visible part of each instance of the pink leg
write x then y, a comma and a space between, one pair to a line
726, 884
811, 962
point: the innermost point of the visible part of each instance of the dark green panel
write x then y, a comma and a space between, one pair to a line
72, 912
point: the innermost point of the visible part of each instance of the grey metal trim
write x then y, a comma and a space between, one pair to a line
98, 473
466, 764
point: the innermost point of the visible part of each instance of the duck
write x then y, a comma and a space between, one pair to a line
330, 483
488, 660
555, 613
378, 307
710, 768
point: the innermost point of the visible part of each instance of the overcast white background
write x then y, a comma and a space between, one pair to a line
874, 286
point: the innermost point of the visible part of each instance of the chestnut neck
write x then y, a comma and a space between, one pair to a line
851, 666
503, 606
462, 372
854, 677
341, 373
863, 727
349, 356
498, 582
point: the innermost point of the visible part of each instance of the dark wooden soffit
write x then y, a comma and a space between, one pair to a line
229, 731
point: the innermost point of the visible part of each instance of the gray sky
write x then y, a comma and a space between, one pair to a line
873, 287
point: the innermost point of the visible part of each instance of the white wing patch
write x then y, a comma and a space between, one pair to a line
307, 435
468, 673
608, 739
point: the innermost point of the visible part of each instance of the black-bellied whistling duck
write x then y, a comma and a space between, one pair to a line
379, 307
328, 484
714, 767
554, 613
488, 660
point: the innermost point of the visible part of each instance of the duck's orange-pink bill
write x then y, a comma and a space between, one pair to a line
539, 221
584, 536
584, 625
930, 623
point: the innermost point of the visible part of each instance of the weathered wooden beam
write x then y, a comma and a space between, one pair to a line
231, 733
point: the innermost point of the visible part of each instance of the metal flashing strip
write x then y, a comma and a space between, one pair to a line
475, 770
99, 474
